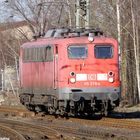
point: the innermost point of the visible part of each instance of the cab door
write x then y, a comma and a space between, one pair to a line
55, 68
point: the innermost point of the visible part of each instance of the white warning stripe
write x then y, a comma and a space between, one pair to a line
102, 77
81, 77
92, 77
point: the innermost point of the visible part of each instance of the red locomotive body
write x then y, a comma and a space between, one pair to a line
70, 75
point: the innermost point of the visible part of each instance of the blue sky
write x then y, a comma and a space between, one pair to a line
6, 14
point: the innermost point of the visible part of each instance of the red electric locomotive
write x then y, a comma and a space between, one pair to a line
70, 72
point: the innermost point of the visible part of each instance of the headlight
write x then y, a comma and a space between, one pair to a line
91, 37
72, 80
111, 80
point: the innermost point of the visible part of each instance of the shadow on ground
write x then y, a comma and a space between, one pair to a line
125, 115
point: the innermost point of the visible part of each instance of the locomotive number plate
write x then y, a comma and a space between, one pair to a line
92, 83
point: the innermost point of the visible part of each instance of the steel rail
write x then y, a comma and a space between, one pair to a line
103, 122
110, 122
22, 127
10, 133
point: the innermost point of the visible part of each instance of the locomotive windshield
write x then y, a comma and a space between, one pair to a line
103, 51
77, 51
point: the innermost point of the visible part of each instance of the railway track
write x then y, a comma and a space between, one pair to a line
111, 122
78, 128
8, 133
30, 131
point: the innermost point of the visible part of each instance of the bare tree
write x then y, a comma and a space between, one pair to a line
42, 14
136, 41
130, 50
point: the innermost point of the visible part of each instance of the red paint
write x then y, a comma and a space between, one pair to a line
56, 74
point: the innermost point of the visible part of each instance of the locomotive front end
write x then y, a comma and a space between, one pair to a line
91, 75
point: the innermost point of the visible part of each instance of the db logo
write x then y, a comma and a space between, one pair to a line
91, 76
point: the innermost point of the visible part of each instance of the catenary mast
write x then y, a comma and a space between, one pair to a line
82, 13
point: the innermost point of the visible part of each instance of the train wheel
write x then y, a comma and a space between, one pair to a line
105, 108
30, 107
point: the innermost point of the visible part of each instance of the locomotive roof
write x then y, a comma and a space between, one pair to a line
78, 40
66, 32
67, 36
